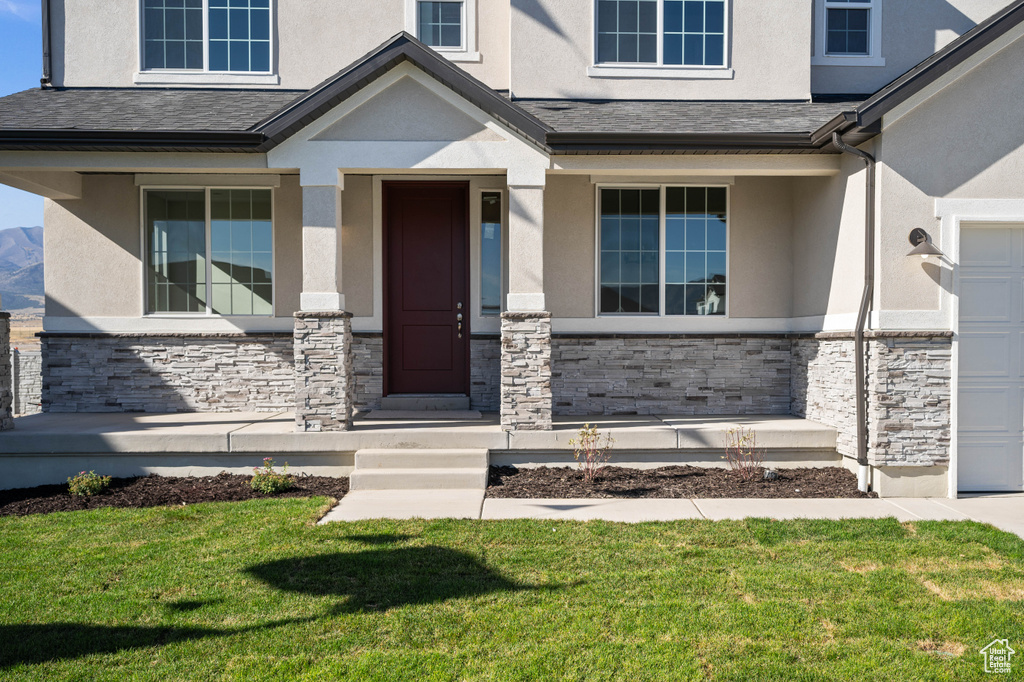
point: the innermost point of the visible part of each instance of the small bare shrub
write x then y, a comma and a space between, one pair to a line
87, 484
591, 450
741, 451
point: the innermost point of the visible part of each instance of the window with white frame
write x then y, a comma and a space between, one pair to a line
662, 250
680, 33
848, 32
224, 36
448, 26
209, 251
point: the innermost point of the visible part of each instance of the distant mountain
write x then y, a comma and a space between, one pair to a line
20, 247
21, 268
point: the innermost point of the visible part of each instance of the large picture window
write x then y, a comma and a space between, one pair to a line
230, 36
663, 251
209, 251
661, 32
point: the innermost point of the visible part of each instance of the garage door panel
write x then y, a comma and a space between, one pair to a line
990, 465
987, 299
989, 410
987, 247
987, 354
990, 352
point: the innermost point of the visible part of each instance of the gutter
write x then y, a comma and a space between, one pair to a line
863, 469
44, 82
611, 142
95, 139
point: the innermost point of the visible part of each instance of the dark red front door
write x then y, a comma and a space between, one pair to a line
426, 287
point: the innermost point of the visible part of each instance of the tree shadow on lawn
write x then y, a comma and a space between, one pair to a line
382, 579
34, 643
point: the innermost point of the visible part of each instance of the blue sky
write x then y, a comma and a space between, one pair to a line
20, 67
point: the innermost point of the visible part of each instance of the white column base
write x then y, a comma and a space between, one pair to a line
526, 303
313, 301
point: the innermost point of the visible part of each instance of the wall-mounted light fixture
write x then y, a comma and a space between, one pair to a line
923, 246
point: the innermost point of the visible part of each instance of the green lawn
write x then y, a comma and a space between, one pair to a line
253, 590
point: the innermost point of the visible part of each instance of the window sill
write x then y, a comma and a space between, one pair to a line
674, 72
847, 61
204, 78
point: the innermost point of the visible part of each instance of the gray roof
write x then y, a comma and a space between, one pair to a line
711, 117
186, 109
130, 109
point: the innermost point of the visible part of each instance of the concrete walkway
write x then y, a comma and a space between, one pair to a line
1005, 512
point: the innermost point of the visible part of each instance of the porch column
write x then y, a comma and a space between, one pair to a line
324, 378
6, 374
526, 326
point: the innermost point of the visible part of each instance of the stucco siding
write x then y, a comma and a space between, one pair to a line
760, 246
104, 227
101, 227
96, 42
961, 143
552, 47
911, 31
828, 242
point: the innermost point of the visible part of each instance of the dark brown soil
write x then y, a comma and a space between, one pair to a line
158, 491
668, 482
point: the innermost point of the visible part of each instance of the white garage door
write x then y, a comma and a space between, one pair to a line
990, 423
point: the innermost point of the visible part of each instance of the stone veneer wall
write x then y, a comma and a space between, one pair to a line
168, 372
28, 381
909, 399
909, 377
368, 363
6, 394
325, 384
526, 395
671, 374
485, 373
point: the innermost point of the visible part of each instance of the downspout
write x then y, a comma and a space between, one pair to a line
44, 82
863, 469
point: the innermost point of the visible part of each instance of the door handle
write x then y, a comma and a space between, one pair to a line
459, 320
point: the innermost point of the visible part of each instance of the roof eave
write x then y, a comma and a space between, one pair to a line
156, 140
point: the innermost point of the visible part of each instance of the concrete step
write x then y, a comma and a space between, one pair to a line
418, 479
421, 459
421, 402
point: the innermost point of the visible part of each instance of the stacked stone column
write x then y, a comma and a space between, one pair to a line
6, 374
325, 386
526, 371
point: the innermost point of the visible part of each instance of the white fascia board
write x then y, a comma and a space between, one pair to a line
218, 179
142, 162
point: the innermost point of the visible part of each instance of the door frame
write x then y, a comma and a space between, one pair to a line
953, 213
385, 274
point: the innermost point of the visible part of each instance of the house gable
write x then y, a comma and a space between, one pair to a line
407, 111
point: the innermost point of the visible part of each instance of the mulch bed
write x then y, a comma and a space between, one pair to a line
159, 491
668, 482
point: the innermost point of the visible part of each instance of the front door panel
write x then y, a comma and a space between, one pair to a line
426, 280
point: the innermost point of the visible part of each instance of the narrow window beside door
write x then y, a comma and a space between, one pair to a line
490, 254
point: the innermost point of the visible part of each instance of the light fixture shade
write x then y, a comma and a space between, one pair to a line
925, 249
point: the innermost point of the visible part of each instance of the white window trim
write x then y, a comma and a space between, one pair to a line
660, 69
661, 314
204, 76
469, 52
821, 58
209, 314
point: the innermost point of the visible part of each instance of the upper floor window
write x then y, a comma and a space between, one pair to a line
230, 36
689, 33
448, 26
848, 32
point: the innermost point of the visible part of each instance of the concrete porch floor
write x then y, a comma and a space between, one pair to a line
46, 448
